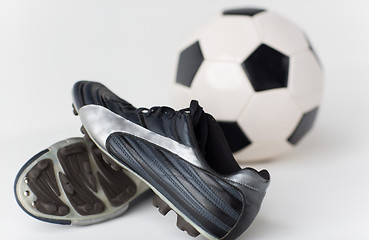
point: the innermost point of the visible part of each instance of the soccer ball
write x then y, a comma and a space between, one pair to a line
258, 75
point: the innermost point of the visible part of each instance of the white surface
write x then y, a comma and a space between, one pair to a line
318, 191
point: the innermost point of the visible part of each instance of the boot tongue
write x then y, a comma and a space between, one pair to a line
211, 141
196, 112
199, 123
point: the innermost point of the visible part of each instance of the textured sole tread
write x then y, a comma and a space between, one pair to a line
42, 182
117, 187
111, 162
78, 180
73, 183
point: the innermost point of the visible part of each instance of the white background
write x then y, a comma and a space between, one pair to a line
319, 191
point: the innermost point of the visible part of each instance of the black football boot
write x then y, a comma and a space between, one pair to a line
181, 155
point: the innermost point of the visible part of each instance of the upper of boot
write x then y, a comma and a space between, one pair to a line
199, 131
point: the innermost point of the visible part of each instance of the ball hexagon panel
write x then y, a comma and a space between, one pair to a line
263, 150
306, 80
225, 84
235, 137
270, 115
243, 11
304, 126
280, 33
189, 62
266, 68
229, 38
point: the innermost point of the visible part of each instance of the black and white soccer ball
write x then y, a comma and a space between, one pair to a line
257, 74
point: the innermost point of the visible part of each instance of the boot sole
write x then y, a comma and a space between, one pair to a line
73, 182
